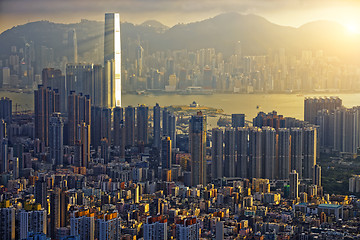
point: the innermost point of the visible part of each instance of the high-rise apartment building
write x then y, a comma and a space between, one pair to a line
112, 60
313, 105
297, 150
56, 139
6, 110
166, 153
79, 112
142, 122
169, 126
217, 153
229, 153
310, 147
82, 223
45, 102
155, 228
32, 218
156, 127
238, 120
283, 153
40, 192
197, 138
269, 152
241, 141
119, 130
255, 152
130, 125
294, 184
108, 226
188, 228
317, 175
86, 79
7, 226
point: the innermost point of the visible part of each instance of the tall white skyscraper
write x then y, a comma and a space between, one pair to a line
112, 60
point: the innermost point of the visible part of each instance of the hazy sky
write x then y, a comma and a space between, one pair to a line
171, 12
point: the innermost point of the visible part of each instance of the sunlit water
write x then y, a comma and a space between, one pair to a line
290, 105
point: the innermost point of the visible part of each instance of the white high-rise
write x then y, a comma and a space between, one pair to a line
112, 61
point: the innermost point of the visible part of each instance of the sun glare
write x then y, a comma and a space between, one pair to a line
353, 28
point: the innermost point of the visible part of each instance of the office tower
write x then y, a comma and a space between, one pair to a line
6, 110
108, 226
44, 102
156, 127
269, 152
112, 60
40, 192
217, 153
197, 139
56, 136
142, 119
310, 146
72, 46
130, 125
294, 184
317, 175
82, 223
32, 218
188, 228
79, 111
284, 157
219, 230
139, 60
7, 226
155, 228
241, 141
238, 120
313, 105
255, 152
4, 160
229, 153
166, 154
297, 150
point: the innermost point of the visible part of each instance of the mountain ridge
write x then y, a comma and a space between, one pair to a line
221, 32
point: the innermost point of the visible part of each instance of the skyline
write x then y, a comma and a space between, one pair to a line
287, 13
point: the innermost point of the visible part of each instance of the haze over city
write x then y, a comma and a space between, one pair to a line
156, 120
283, 12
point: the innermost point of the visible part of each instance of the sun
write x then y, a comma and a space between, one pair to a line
353, 28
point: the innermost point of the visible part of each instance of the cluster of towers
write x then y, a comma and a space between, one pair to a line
253, 152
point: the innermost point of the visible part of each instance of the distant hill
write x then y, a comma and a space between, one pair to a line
256, 34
